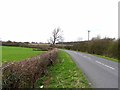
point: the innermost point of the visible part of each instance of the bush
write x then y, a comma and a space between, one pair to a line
106, 46
25, 73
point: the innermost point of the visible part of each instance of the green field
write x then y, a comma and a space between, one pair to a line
64, 74
11, 54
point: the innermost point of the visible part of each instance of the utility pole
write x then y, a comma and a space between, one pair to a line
88, 34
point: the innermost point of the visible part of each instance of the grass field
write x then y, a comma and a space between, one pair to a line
64, 74
11, 54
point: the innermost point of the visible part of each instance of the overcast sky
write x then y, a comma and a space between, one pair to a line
34, 20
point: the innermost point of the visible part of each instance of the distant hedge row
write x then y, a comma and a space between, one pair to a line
36, 47
24, 74
107, 47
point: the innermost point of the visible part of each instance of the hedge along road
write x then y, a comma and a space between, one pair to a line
100, 73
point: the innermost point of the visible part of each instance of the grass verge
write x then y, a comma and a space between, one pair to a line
64, 74
104, 57
108, 58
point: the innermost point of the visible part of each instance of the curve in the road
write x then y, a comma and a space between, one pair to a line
101, 73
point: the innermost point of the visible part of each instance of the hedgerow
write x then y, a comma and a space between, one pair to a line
106, 47
24, 74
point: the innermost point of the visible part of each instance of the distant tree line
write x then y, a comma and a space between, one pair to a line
106, 46
36, 46
13, 43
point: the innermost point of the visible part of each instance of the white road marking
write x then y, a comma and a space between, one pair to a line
84, 56
105, 65
87, 57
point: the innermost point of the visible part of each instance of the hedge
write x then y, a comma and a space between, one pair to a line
24, 74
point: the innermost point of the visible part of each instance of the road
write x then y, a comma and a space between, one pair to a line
100, 73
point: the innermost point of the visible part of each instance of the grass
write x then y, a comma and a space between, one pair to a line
14, 54
104, 57
108, 58
64, 74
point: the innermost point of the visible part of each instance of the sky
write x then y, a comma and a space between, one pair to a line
34, 20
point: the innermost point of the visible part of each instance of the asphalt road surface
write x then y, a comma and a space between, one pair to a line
101, 73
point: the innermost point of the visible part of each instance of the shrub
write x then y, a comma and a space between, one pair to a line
106, 46
25, 73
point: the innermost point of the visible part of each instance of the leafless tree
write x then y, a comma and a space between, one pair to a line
56, 36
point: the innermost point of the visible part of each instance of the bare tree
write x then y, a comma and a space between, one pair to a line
56, 36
